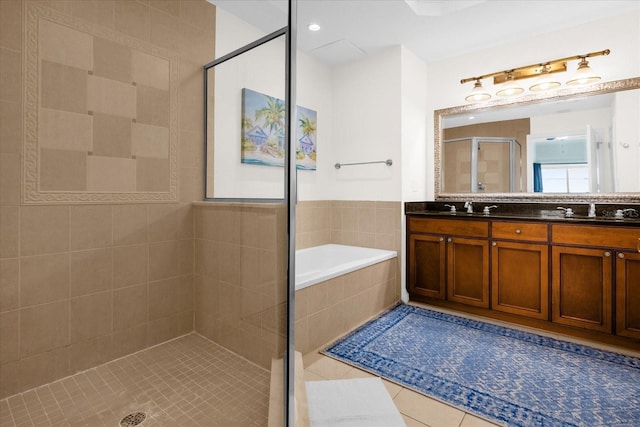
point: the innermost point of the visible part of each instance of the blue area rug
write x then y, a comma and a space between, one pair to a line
507, 376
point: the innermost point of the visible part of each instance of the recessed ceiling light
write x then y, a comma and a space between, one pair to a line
314, 27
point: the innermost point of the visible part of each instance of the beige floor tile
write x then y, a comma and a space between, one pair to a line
329, 368
426, 410
310, 376
473, 421
410, 422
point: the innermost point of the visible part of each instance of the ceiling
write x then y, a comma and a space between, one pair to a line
432, 29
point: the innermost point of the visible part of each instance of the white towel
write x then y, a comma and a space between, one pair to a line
358, 402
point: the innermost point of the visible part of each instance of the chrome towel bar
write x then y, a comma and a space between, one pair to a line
387, 162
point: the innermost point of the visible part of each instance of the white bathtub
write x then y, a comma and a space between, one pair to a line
320, 263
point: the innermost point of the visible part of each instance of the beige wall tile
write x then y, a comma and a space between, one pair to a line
163, 329
385, 220
44, 327
63, 87
149, 141
164, 298
186, 256
44, 279
152, 174
129, 224
191, 185
8, 379
9, 236
90, 271
130, 264
128, 341
186, 322
230, 263
111, 136
44, 229
110, 97
191, 149
165, 30
367, 220
197, 44
152, 106
111, 174
90, 227
111, 60
9, 290
89, 353
163, 222
169, 6
130, 307
90, 316
10, 24
64, 130
191, 105
186, 293
207, 258
64, 45
199, 13
98, 12
43, 368
164, 260
11, 129
186, 221
63, 170
9, 336
132, 18
10, 75
150, 70
9, 179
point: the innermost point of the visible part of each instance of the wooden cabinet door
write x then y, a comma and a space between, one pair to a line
427, 271
468, 271
581, 287
628, 294
520, 279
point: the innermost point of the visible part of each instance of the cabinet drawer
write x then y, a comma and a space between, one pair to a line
609, 237
531, 232
457, 227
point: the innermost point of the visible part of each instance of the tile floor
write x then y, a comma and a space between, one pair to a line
417, 410
189, 381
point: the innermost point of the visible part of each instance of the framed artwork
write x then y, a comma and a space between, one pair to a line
262, 140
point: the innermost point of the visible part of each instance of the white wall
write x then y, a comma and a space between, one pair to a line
626, 141
620, 34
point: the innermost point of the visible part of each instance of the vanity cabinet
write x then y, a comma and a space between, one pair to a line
628, 293
520, 268
449, 259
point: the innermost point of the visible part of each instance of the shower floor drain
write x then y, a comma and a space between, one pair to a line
133, 419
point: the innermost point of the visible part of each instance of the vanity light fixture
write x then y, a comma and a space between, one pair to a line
478, 94
545, 81
510, 87
584, 74
543, 71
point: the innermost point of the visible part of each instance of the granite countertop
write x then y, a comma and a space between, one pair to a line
529, 211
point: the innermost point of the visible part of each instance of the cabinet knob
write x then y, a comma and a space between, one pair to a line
621, 255
494, 244
607, 254
442, 239
449, 240
518, 231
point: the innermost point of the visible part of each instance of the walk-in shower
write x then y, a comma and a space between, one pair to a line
482, 164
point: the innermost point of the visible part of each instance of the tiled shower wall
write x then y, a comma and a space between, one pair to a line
240, 278
84, 283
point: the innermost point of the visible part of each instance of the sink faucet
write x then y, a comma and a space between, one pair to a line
452, 208
592, 210
568, 212
487, 209
469, 206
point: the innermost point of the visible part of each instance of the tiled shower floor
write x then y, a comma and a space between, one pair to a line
189, 381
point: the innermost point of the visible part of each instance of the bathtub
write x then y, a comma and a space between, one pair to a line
321, 263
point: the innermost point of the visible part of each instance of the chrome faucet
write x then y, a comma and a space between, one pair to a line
452, 208
592, 210
469, 206
487, 209
568, 212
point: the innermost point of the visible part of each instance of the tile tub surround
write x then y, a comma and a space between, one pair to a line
128, 267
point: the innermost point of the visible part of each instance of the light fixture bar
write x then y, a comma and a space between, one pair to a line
556, 65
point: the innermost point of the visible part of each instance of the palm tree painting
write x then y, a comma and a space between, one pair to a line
262, 130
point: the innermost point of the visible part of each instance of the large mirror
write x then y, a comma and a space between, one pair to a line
571, 145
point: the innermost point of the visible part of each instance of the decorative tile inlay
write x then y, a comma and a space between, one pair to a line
85, 88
